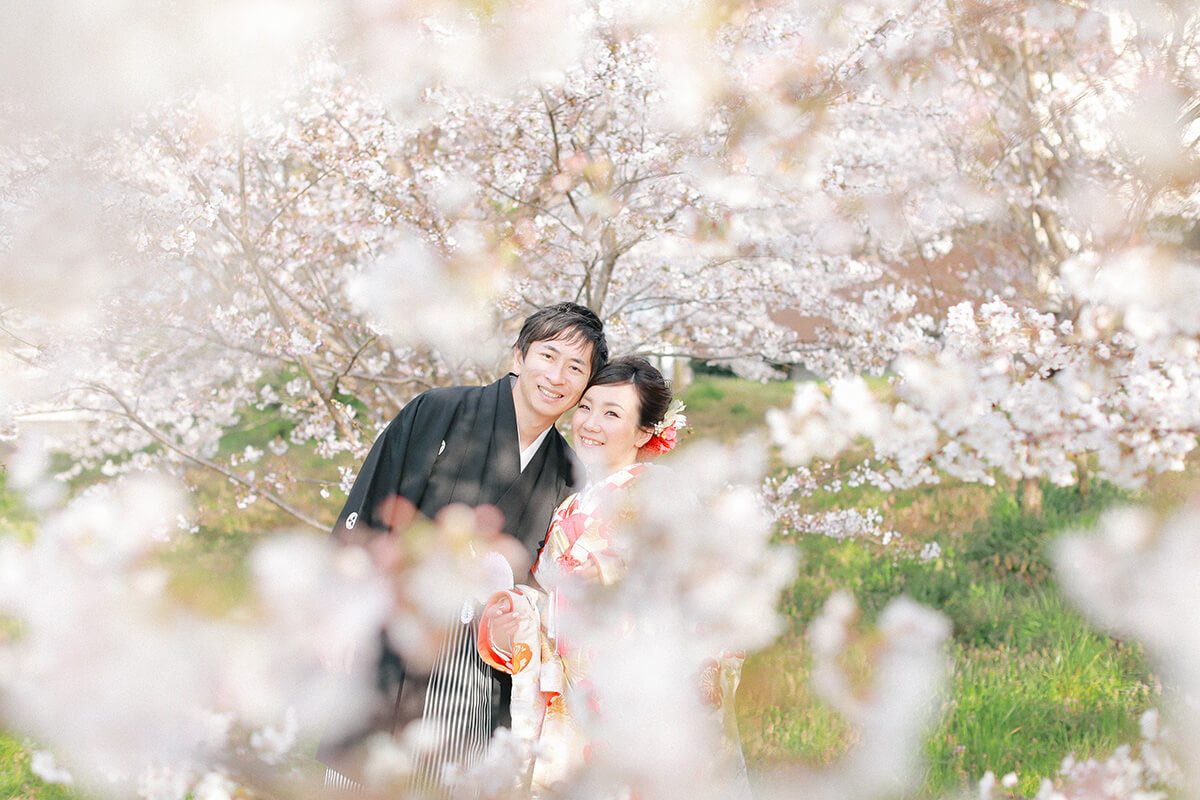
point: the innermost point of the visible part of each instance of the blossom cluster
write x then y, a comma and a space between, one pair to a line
134, 690
1017, 393
787, 508
734, 182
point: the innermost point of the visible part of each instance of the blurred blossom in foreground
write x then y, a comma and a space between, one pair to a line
892, 714
27, 467
419, 298
132, 690
60, 245
1156, 294
703, 580
407, 46
87, 65
433, 567
1136, 575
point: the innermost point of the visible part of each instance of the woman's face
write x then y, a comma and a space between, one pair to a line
605, 426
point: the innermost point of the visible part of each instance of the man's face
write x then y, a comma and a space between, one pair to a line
551, 377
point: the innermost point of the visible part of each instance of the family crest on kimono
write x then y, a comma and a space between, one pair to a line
625, 418
476, 445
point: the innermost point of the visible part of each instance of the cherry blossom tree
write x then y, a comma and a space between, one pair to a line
592, 188
844, 185
244, 229
1040, 205
304, 257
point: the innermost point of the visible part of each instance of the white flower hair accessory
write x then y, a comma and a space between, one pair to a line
666, 430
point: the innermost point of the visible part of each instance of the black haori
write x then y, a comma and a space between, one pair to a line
451, 445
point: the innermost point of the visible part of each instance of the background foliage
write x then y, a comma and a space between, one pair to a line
236, 237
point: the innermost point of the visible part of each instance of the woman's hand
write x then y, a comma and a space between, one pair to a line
502, 621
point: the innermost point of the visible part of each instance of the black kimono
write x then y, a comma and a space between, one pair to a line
455, 445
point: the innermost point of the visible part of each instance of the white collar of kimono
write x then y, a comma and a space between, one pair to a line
527, 453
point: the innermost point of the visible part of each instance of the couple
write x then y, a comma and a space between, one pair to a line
496, 445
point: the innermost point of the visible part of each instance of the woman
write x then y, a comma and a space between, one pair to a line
625, 418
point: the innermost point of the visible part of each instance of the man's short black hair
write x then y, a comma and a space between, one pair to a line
569, 321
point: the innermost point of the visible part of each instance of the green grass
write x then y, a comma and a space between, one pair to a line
1032, 680
780, 718
1050, 687
17, 780
724, 408
15, 518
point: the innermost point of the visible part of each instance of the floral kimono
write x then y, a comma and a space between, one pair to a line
543, 666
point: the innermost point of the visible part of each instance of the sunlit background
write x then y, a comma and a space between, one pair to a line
236, 237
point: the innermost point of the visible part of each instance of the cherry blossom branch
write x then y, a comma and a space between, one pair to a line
131, 414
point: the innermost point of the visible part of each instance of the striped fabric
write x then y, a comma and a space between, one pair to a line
458, 710
340, 784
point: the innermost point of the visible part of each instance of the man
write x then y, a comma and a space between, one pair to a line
493, 445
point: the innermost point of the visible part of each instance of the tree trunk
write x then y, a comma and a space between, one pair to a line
1031, 496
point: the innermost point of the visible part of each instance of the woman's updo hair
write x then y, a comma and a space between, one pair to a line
654, 393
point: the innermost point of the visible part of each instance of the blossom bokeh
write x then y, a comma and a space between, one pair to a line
300, 215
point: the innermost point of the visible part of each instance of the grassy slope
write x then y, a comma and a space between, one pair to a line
1031, 682
18, 782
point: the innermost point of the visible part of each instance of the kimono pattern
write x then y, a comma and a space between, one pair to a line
544, 666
